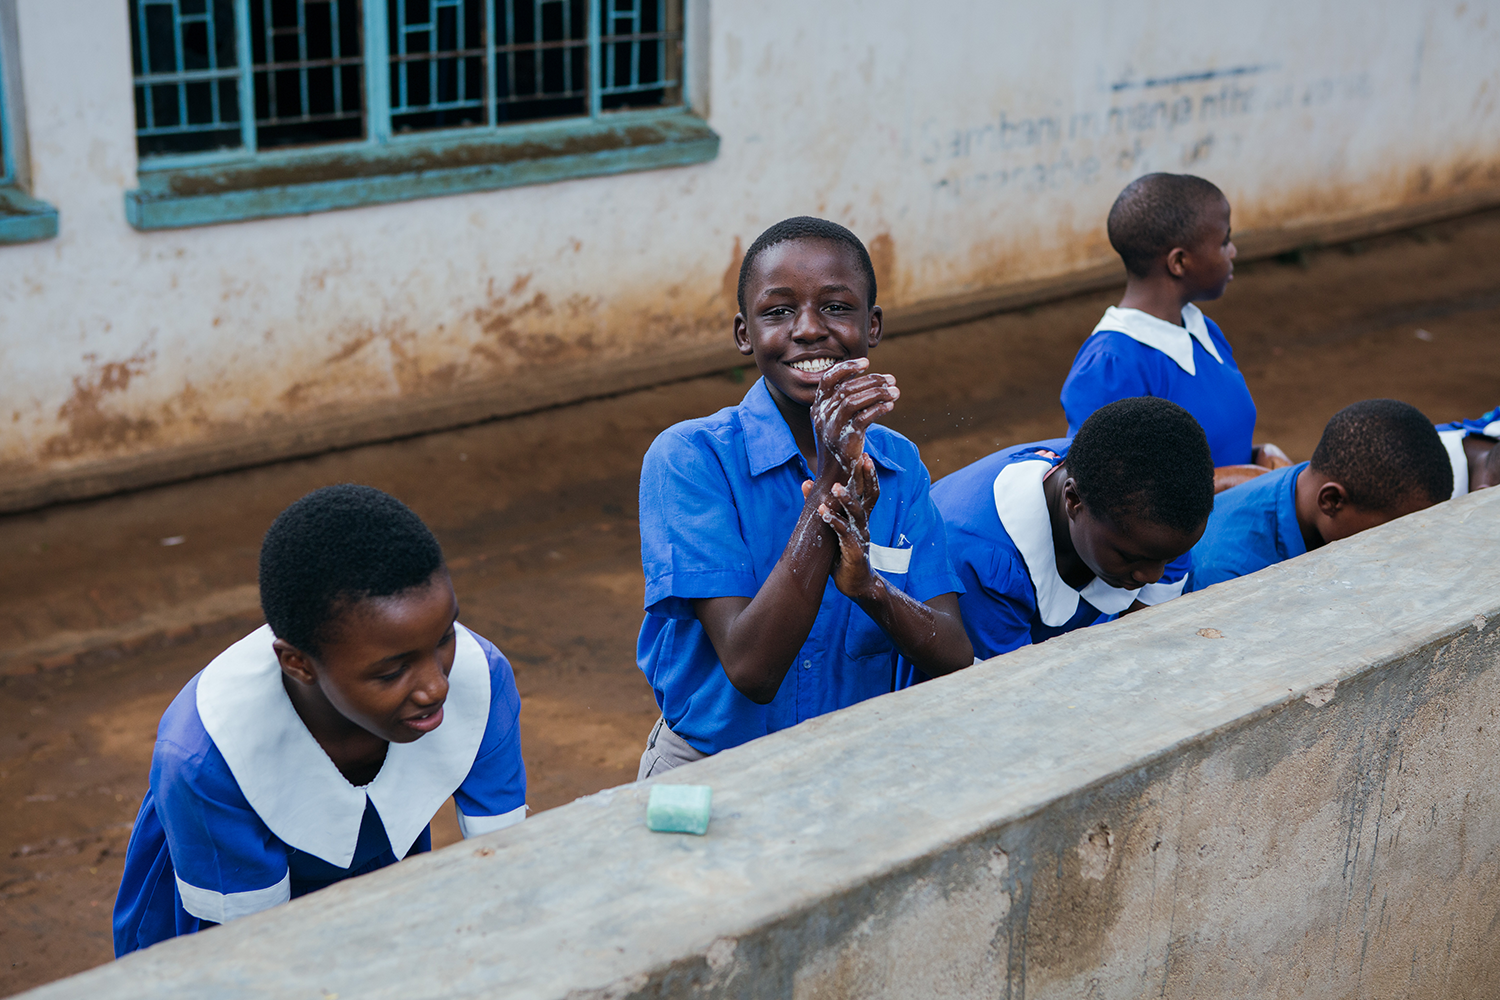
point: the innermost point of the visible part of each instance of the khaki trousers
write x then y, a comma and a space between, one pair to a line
664, 751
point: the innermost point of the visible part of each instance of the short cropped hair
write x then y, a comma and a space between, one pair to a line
1384, 452
336, 546
805, 227
1157, 212
1145, 458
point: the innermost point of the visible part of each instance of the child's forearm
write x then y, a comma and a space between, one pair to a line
757, 639
931, 635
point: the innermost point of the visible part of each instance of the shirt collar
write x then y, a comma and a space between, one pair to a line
295, 788
1022, 506
1176, 342
1286, 513
768, 440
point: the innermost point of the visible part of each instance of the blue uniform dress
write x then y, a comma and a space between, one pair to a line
1000, 540
1453, 434
1132, 353
1253, 526
720, 496
245, 810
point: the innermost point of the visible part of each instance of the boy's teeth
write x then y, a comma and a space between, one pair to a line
813, 365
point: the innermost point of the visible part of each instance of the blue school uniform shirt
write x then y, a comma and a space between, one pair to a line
1132, 353
1453, 434
1254, 525
245, 811
1000, 540
720, 496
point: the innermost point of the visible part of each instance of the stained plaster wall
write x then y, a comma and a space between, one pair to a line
975, 146
1285, 786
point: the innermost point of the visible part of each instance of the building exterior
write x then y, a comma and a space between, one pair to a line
235, 230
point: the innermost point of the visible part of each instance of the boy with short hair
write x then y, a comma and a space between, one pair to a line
1057, 535
1172, 232
1378, 460
1471, 449
789, 543
319, 746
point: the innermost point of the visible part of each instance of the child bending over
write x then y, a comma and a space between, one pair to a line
319, 746
789, 543
1057, 535
1377, 460
1471, 449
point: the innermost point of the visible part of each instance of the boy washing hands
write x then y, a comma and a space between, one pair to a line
790, 547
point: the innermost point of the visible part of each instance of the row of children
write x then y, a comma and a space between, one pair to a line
796, 561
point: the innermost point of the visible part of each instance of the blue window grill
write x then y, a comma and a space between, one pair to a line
217, 77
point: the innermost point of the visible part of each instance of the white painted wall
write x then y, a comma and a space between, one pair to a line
973, 143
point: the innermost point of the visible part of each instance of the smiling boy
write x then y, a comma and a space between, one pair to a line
1058, 535
318, 747
790, 546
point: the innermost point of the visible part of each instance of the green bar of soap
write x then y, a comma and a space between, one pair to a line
679, 808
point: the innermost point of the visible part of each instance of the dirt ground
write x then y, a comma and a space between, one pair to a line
537, 516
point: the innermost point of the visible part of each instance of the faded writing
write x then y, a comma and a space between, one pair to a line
1048, 152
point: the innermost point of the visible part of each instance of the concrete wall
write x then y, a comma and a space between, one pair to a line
1285, 786
975, 146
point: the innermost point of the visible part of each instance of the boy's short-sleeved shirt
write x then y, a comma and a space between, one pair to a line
1453, 434
1132, 353
1000, 541
246, 811
720, 497
1254, 525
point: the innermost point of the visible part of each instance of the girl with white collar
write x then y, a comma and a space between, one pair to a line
1172, 231
319, 746
1057, 535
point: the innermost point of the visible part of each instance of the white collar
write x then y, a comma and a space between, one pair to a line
293, 785
1022, 506
1176, 342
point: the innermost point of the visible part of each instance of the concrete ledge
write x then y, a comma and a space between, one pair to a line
1288, 785
529, 391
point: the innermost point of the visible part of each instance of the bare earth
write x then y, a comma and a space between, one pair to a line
537, 516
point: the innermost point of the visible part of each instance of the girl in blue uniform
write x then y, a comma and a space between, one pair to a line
1172, 232
319, 746
1471, 449
1058, 535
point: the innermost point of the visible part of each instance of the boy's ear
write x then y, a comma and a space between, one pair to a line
742, 335
1177, 262
1332, 498
877, 319
294, 663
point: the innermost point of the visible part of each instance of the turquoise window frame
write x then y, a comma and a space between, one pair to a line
23, 219
200, 189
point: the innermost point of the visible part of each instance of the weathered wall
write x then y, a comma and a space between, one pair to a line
975, 146
1285, 786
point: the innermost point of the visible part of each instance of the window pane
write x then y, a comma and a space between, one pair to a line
307, 60
640, 53
183, 55
437, 63
541, 59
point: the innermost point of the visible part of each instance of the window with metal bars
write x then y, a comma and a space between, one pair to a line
23, 218
229, 77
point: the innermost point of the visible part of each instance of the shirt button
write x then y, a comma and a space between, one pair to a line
807, 664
